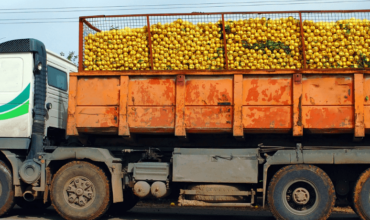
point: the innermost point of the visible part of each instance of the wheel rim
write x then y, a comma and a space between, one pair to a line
300, 197
79, 192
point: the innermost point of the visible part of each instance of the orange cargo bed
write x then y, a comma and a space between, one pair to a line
180, 102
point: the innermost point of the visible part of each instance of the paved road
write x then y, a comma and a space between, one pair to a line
170, 213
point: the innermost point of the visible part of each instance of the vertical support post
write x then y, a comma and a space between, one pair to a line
150, 43
297, 105
303, 44
180, 106
71, 120
225, 46
238, 105
80, 46
123, 129
359, 105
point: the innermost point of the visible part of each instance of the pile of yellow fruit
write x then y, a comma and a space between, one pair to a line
340, 44
125, 49
182, 45
255, 43
260, 43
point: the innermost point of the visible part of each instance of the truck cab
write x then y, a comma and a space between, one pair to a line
17, 90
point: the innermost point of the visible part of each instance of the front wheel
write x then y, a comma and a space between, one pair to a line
80, 190
301, 192
6, 189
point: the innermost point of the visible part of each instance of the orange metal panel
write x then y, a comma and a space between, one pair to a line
180, 106
297, 105
209, 90
98, 91
327, 90
328, 117
151, 91
123, 125
267, 90
97, 117
206, 117
359, 104
367, 118
366, 89
267, 117
71, 120
238, 104
151, 117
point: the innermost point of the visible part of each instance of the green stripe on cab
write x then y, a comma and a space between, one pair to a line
21, 98
21, 110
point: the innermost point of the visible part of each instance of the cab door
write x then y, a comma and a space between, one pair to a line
57, 97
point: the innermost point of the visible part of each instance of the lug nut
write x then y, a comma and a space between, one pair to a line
70, 200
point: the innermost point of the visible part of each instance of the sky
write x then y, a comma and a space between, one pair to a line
30, 19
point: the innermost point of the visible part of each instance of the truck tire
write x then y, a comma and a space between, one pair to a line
130, 200
301, 192
361, 202
34, 205
80, 190
6, 189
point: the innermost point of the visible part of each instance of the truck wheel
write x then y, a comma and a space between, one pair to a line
361, 196
301, 192
6, 189
34, 205
129, 201
80, 190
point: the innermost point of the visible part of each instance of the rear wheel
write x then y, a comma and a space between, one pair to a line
6, 189
80, 190
361, 196
301, 192
130, 200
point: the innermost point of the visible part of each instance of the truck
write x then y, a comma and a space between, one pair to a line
216, 109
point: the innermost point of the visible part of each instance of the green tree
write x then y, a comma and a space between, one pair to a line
71, 57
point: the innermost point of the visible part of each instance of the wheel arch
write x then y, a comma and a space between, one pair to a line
13, 162
101, 157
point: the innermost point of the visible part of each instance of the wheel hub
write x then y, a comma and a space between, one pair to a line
80, 192
301, 196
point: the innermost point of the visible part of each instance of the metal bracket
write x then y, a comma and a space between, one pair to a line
42, 179
297, 77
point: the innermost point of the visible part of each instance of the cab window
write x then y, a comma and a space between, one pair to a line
57, 78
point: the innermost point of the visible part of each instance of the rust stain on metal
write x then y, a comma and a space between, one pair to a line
264, 90
204, 117
328, 117
97, 117
150, 117
328, 90
208, 90
267, 117
151, 91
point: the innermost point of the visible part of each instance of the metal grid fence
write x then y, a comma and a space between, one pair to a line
226, 41
336, 40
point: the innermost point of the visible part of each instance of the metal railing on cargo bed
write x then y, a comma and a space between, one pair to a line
244, 41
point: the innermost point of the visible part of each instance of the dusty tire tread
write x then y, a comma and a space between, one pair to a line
357, 189
278, 175
10, 204
102, 175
